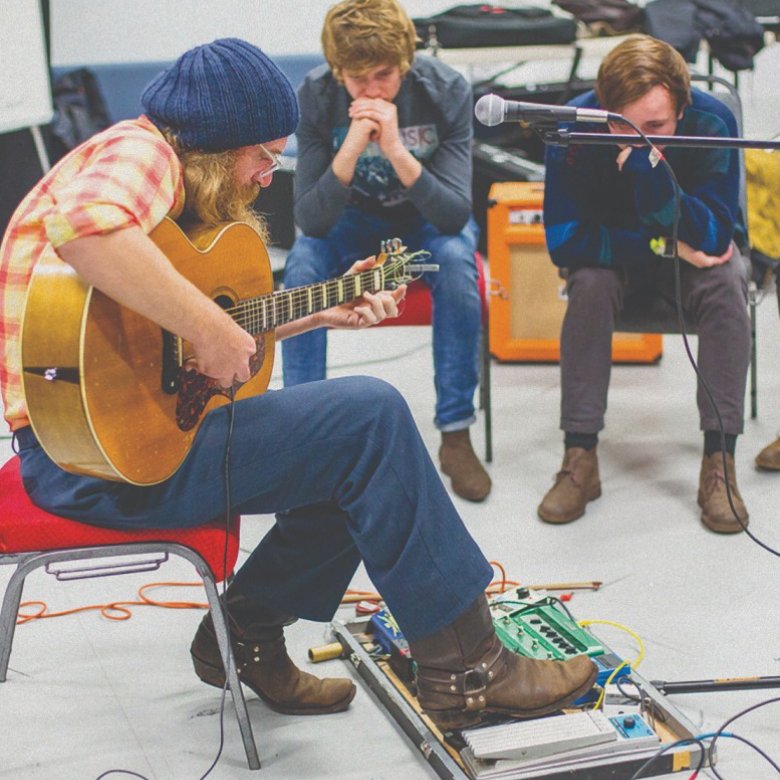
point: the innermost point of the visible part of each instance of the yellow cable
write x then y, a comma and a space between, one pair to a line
609, 679
636, 662
636, 637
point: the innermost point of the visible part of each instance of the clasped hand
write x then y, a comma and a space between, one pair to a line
701, 259
695, 257
374, 119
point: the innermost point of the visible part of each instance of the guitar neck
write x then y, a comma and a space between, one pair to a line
267, 312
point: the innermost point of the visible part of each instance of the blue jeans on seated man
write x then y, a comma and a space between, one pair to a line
456, 303
344, 467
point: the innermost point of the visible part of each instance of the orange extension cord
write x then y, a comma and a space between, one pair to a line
119, 610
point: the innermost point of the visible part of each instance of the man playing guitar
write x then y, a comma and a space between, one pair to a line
340, 462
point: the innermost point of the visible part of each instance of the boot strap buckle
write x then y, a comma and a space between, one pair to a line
474, 685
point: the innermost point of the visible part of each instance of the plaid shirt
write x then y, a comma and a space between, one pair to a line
127, 175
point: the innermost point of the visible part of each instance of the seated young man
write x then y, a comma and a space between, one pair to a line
340, 462
605, 210
384, 150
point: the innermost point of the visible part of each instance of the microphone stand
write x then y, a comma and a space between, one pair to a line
553, 136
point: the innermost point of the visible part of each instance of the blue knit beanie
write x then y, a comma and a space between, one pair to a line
222, 95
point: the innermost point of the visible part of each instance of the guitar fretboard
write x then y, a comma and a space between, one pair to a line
267, 312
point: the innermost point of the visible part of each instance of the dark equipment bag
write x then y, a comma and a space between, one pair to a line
617, 16
732, 32
467, 26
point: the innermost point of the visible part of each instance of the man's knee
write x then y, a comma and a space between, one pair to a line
730, 278
307, 262
593, 285
373, 395
722, 288
457, 274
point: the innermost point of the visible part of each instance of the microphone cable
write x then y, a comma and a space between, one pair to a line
709, 751
654, 150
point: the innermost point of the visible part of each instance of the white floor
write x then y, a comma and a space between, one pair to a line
86, 695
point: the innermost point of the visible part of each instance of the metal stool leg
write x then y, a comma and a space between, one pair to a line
9, 611
753, 355
485, 393
221, 631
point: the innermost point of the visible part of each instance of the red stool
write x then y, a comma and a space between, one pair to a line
31, 537
417, 310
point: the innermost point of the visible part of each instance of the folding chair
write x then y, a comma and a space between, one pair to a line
31, 537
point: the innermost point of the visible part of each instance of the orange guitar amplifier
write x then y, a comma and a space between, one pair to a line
528, 300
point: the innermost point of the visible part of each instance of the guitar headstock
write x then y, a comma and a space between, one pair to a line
401, 266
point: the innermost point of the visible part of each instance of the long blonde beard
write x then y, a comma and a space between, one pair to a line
211, 193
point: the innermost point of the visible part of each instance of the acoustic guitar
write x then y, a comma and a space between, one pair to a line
107, 391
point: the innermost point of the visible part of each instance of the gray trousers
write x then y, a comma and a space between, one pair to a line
715, 303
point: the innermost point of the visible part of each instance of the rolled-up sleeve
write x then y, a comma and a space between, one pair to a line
128, 180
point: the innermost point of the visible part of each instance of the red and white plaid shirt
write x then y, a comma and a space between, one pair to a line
125, 176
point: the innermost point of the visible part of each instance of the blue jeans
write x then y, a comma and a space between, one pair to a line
342, 464
456, 304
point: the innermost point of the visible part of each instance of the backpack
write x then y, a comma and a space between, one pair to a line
732, 32
466, 26
615, 17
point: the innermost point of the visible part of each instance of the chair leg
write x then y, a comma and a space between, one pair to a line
485, 392
8, 615
753, 356
225, 650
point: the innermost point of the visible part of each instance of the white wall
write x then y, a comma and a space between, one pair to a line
96, 31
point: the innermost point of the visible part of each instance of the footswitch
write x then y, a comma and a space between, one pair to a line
554, 741
541, 737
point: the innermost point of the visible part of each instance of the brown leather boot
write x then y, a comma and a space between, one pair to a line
464, 671
716, 513
575, 484
769, 457
460, 463
263, 665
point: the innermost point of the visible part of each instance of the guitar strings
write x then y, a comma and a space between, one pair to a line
257, 316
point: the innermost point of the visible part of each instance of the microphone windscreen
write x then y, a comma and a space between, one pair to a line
489, 110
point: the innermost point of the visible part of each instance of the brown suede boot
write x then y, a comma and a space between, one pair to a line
460, 463
575, 484
769, 457
464, 671
716, 513
263, 665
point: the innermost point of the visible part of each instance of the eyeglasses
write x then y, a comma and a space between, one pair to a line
274, 157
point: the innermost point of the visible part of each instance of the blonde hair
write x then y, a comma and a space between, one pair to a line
211, 194
637, 65
360, 34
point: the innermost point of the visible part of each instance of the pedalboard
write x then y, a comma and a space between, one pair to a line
536, 626
528, 623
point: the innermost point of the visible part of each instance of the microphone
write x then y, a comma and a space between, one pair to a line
492, 110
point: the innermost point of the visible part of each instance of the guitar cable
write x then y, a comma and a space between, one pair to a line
228, 511
223, 602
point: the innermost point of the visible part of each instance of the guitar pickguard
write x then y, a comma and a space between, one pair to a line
196, 389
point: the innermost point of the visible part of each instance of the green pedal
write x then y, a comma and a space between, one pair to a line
533, 626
